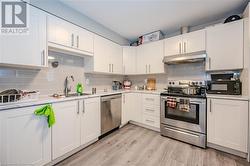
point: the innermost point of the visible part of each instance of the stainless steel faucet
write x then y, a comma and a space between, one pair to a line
67, 86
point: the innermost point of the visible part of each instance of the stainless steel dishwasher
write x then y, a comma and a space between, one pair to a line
111, 107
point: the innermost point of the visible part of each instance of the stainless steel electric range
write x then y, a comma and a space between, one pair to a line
183, 112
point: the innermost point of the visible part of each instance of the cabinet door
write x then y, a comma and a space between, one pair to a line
149, 58
228, 123
66, 131
116, 58
25, 138
173, 45
102, 51
129, 60
126, 112
194, 41
29, 49
60, 32
132, 107
155, 53
90, 121
142, 61
84, 40
225, 46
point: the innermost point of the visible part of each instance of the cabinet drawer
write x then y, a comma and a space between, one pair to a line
149, 99
151, 120
151, 110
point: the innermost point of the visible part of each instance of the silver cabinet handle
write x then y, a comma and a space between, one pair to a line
78, 107
210, 105
184, 47
150, 121
180, 47
109, 68
124, 99
43, 58
124, 72
83, 106
72, 40
146, 68
150, 110
77, 41
209, 61
150, 99
112, 68
149, 66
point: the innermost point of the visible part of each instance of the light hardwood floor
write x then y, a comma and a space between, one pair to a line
137, 146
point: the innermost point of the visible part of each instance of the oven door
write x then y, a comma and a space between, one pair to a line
194, 119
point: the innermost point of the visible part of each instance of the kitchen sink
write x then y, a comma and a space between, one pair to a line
70, 95
76, 94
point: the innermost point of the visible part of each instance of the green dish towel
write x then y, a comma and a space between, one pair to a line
48, 112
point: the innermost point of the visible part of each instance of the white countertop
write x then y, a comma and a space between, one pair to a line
229, 97
46, 99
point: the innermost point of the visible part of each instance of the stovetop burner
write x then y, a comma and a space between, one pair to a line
183, 88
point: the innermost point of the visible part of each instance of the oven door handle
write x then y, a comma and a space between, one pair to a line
182, 132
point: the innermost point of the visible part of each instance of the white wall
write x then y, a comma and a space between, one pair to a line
63, 11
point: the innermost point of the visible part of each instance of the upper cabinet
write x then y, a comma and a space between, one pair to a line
149, 58
107, 57
225, 46
67, 37
27, 50
129, 60
186, 43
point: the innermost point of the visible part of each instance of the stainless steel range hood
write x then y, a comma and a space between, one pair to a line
185, 58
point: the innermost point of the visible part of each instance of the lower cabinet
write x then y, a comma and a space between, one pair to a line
77, 123
141, 108
25, 138
66, 131
90, 120
131, 107
227, 123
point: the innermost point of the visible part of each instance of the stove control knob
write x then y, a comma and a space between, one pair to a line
200, 83
169, 83
173, 83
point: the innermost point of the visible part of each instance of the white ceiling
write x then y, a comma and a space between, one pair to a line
133, 18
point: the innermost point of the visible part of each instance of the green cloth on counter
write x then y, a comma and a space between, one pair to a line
48, 112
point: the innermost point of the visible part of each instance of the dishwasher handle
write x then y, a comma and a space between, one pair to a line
110, 97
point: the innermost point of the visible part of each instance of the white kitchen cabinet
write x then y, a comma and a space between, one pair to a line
107, 57
66, 131
90, 120
149, 58
186, 43
129, 60
25, 138
132, 107
68, 37
194, 41
225, 46
151, 110
173, 45
27, 50
227, 123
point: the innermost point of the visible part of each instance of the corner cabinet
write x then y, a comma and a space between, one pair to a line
227, 123
67, 37
131, 107
129, 60
25, 138
186, 43
107, 57
27, 50
149, 58
225, 46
